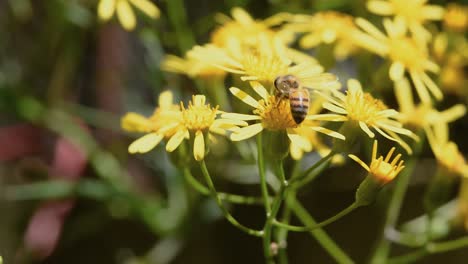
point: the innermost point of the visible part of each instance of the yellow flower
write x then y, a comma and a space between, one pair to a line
107, 8
163, 123
381, 169
414, 13
452, 55
446, 152
176, 123
326, 27
365, 111
243, 31
270, 113
191, 67
266, 62
422, 116
405, 52
456, 17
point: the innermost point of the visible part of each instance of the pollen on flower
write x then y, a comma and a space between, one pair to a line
363, 106
198, 116
265, 67
275, 113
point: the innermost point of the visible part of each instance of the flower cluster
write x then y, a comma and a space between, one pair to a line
282, 93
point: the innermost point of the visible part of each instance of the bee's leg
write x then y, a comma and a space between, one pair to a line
280, 97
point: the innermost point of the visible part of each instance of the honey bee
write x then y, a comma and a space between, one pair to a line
289, 87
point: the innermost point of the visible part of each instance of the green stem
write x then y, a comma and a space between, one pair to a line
323, 239
232, 198
227, 215
282, 233
261, 172
383, 246
267, 229
307, 175
431, 248
178, 18
330, 220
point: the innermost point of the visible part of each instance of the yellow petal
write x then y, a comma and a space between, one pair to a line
199, 146
145, 143
310, 40
247, 132
329, 36
300, 141
433, 12
244, 97
370, 28
354, 84
327, 117
166, 100
147, 7
453, 113
295, 151
199, 100
359, 161
126, 15
240, 116
260, 90
134, 122
334, 108
420, 88
106, 9
175, 140
397, 70
404, 96
329, 132
433, 88
241, 16
366, 129
382, 8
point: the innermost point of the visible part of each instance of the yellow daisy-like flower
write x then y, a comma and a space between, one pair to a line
382, 169
326, 27
163, 123
365, 111
446, 152
242, 30
405, 52
107, 8
414, 13
456, 17
271, 113
266, 62
191, 67
176, 123
422, 116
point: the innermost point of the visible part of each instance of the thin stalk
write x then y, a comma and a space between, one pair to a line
307, 175
322, 238
261, 172
330, 220
227, 215
178, 18
431, 248
232, 198
281, 234
267, 229
383, 245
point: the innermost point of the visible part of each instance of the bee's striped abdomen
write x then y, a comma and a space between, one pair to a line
299, 103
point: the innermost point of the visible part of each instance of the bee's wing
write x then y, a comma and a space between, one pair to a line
323, 81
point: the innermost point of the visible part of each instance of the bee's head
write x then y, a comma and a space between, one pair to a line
285, 82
